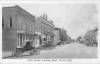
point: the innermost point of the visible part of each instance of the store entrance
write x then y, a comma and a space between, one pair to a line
21, 38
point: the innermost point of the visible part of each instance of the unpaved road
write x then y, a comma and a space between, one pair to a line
74, 50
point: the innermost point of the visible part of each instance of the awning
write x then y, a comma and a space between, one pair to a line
25, 32
21, 31
39, 33
49, 33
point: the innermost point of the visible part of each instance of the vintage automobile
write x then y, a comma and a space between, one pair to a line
27, 47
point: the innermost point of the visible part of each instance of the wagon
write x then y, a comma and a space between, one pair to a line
27, 47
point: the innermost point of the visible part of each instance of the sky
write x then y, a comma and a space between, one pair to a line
75, 18
49, 0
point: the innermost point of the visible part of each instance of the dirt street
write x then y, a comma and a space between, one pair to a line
74, 50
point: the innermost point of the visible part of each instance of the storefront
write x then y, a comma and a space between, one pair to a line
23, 36
38, 40
47, 38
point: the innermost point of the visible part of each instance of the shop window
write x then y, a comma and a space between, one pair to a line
44, 39
18, 39
10, 22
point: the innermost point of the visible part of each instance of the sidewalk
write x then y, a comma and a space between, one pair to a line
6, 54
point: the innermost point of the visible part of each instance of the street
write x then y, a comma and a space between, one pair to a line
28, 27
73, 50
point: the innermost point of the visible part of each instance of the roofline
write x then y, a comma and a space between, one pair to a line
23, 10
46, 20
8, 7
17, 6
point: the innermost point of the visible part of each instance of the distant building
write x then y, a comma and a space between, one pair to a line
45, 29
63, 34
17, 26
57, 35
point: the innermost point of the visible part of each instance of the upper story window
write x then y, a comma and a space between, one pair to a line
2, 22
10, 21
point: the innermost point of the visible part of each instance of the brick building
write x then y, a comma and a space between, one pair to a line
45, 29
17, 26
57, 35
61, 36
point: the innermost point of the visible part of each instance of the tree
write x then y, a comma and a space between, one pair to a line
91, 36
78, 39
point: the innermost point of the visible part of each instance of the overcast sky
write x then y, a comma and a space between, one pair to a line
48, 0
75, 18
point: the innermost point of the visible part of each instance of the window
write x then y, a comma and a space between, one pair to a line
2, 22
10, 21
44, 39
